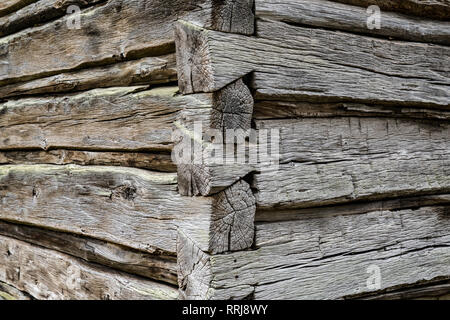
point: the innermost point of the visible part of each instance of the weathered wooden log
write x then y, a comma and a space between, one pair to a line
146, 71
151, 161
337, 160
39, 12
336, 16
105, 36
131, 207
231, 108
8, 292
330, 257
8, 6
161, 267
291, 62
435, 9
296, 109
47, 274
113, 119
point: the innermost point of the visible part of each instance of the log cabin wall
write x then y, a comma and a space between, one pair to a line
94, 207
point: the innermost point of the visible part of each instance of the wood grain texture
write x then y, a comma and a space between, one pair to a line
39, 12
338, 160
50, 275
336, 16
231, 109
8, 292
132, 207
296, 109
144, 160
145, 71
160, 267
434, 9
112, 119
328, 257
8, 6
295, 63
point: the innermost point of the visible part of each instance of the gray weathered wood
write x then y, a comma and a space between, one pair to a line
336, 16
151, 161
337, 160
113, 119
435, 9
8, 292
39, 12
231, 108
50, 275
328, 257
291, 109
8, 6
291, 62
156, 266
146, 71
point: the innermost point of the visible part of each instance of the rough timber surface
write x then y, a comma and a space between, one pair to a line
328, 257
50, 275
290, 62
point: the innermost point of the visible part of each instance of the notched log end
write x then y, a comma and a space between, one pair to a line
195, 73
193, 180
233, 16
232, 223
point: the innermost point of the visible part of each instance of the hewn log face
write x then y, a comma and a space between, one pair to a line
39, 12
132, 207
435, 9
8, 292
155, 266
291, 62
336, 16
151, 161
8, 6
113, 32
296, 109
231, 108
146, 71
47, 274
328, 257
102, 119
337, 160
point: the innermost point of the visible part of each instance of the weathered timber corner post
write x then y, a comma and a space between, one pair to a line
233, 206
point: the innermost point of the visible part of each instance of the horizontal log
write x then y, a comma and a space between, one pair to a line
8, 292
160, 267
151, 161
49, 275
314, 65
8, 6
146, 71
39, 12
291, 109
113, 119
329, 161
434, 9
333, 257
332, 15
116, 31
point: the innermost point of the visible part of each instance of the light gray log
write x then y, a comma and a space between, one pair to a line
8, 292
338, 160
151, 161
135, 208
8, 6
328, 257
119, 30
231, 108
146, 71
161, 267
113, 119
435, 9
39, 12
291, 109
332, 15
295, 63
49, 275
